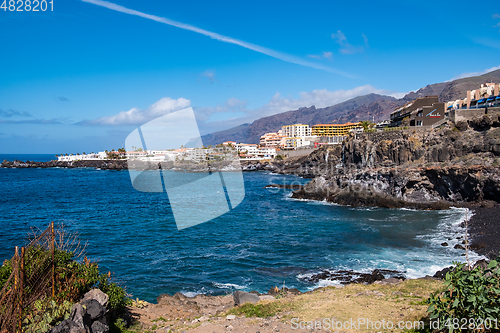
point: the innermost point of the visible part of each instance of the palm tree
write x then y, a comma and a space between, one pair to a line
366, 124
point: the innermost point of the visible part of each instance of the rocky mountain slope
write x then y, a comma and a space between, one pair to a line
452, 90
368, 107
360, 108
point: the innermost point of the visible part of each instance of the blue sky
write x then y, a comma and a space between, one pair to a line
82, 77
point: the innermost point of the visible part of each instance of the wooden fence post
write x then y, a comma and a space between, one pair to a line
15, 271
21, 290
15, 265
52, 248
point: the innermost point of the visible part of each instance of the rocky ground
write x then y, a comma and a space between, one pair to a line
390, 300
484, 228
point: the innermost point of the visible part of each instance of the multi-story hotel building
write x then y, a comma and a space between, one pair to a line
272, 140
485, 96
297, 130
330, 130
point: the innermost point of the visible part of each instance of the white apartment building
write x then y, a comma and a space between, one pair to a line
70, 158
273, 139
297, 130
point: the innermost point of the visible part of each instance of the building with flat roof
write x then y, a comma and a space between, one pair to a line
423, 111
485, 96
296, 130
330, 130
272, 140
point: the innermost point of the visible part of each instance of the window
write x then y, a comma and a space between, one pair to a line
419, 123
420, 113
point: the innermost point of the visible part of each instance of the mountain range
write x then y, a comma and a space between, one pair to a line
368, 107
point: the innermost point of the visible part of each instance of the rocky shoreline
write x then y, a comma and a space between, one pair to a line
97, 164
123, 165
484, 229
209, 313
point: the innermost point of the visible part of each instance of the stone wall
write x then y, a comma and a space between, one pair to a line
468, 114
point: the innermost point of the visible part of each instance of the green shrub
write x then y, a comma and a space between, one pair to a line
5, 272
261, 310
118, 298
470, 296
46, 314
73, 279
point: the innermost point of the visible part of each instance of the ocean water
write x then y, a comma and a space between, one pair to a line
268, 240
28, 157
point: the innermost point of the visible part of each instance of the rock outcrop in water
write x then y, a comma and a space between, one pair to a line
98, 164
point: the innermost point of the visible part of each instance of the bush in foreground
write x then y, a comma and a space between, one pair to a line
73, 278
470, 298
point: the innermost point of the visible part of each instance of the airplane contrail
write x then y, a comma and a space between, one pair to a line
222, 38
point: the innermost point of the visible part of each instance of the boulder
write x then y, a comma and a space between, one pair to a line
98, 295
481, 263
242, 297
98, 327
180, 296
163, 298
442, 273
66, 326
94, 309
79, 316
389, 281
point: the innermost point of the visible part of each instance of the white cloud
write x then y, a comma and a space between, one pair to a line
485, 41
232, 106
277, 104
234, 111
328, 55
464, 75
348, 48
495, 16
136, 116
325, 54
210, 75
226, 39
320, 98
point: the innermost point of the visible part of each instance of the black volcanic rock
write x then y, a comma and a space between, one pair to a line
349, 276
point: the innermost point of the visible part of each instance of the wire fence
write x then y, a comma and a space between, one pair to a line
31, 284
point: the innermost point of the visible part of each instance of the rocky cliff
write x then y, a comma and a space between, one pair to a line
412, 168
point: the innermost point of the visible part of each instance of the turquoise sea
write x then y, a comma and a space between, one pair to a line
268, 240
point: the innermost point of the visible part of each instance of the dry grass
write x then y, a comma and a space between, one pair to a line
402, 302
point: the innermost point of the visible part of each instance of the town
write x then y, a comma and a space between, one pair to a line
300, 139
